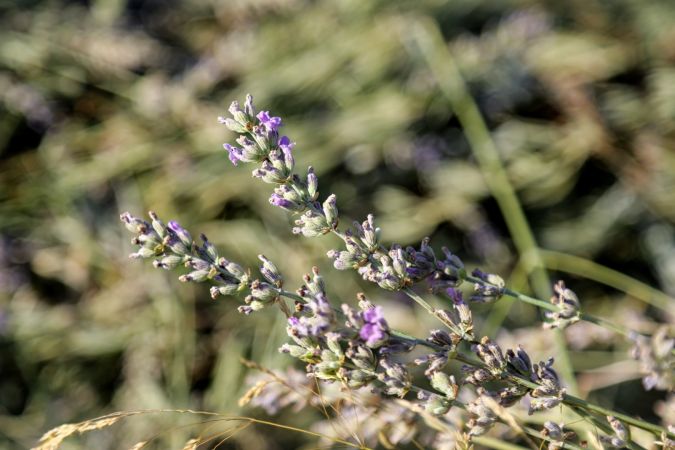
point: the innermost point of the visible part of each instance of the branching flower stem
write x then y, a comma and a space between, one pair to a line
550, 307
320, 335
573, 402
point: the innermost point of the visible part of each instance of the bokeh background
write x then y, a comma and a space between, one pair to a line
110, 105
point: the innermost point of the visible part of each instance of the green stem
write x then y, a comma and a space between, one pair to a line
534, 432
551, 307
431, 310
577, 402
593, 271
602, 424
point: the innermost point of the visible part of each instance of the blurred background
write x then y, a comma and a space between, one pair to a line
110, 105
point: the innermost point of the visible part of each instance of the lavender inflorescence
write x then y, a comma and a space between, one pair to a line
355, 347
568, 308
171, 246
556, 435
657, 361
620, 437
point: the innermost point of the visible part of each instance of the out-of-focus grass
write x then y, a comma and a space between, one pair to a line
109, 106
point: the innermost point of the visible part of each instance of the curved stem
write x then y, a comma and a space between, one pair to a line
551, 307
593, 271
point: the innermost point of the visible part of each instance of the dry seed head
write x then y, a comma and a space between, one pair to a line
252, 393
52, 439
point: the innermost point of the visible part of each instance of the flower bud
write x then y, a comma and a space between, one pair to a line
333, 342
357, 378
362, 357
197, 276
181, 233
311, 225
343, 260
157, 224
330, 211
312, 184
142, 253
436, 405
169, 262
232, 125
270, 271
619, 428
263, 292
134, 224
446, 384
224, 289
519, 361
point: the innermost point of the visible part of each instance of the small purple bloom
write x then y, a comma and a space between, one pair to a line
271, 123
374, 332
182, 234
281, 202
235, 153
455, 296
296, 327
175, 226
373, 315
285, 144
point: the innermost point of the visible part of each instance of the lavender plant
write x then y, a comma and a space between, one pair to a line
356, 348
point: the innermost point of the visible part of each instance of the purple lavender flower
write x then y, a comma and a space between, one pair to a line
297, 328
175, 226
285, 143
374, 332
234, 153
278, 200
271, 124
181, 232
455, 295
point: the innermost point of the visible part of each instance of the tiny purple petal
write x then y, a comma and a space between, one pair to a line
373, 315
281, 202
234, 153
455, 295
175, 226
270, 123
285, 144
414, 272
372, 334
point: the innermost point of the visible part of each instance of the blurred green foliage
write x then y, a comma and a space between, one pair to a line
111, 105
